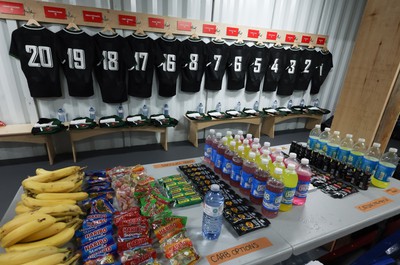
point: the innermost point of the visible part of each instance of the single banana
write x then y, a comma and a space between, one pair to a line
18, 221
50, 187
53, 175
16, 258
27, 229
57, 240
45, 233
61, 210
78, 176
52, 259
21, 208
31, 202
40, 171
77, 196
77, 187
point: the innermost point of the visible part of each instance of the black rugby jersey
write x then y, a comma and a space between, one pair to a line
194, 58
257, 67
307, 65
276, 66
324, 66
239, 55
290, 73
217, 58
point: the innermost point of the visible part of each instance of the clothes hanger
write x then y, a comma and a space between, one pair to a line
33, 21
139, 31
278, 41
325, 49
72, 26
108, 29
260, 43
168, 35
239, 41
194, 35
311, 44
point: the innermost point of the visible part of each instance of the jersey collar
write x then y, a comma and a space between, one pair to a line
169, 40
73, 31
140, 36
33, 27
112, 36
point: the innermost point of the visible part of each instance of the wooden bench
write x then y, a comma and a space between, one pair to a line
22, 133
268, 124
78, 135
196, 125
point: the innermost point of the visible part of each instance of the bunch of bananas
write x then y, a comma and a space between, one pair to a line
46, 218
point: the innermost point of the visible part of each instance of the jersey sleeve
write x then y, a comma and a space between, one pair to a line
60, 49
14, 46
159, 57
98, 55
128, 54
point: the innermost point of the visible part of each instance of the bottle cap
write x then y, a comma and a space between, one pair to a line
249, 136
212, 131
246, 141
264, 161
252, 155
291, 166
361, 140
392, 150
240, 132
228, 132
292, 155
233, 143
256, 140
318, 126
305, 161
327, 129
224, 139
349, 135
278, 171
241, 148
279, 158
267, 144
214, 187
336, 133
266, 152
237, 137
219, 134
376, 145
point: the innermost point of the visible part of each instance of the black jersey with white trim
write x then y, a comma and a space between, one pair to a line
238, 62
217, 58
291, 72
78, 48
259, 57
276, 66
168, 65
140, 79
114, 58
324, 66
40, 54
193, 64
307, 65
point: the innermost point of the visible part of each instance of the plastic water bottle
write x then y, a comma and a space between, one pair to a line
316, 103
237, 163
213, 208
92, 113
145, 111
304, 174
290, 104
302, 103
214, 147
61, 115
256, 105
386, 168
345, 147
292, 159
248, 169
200, 108
273, 194
371, 158
357, 153
322, 142
290, 180
207, 146
275, 104
238, 106
333, 144
219, 106
120, 111
314, 136
260, 178
166, 110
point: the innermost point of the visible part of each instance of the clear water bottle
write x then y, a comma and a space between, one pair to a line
290, 104
218, 107
120, 111
314, 136
302, 103
386, 168
92, 113
145, 111
61, 115
200, 108
323, 139
316, 103
166, 109
275, 104
333, 144
238, 106
345, 147
371, 158
357, 153
213, 208
256, 105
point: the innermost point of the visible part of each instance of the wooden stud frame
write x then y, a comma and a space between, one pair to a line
97, 17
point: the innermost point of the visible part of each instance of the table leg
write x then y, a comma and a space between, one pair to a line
254, 129
311, 122
192, 136
50, 149
164, 139
268, 126
73, 148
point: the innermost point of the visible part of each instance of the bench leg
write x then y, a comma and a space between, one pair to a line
254, 129
164, 139
192, 136
50, 149
268, 126
73, 149
311, 122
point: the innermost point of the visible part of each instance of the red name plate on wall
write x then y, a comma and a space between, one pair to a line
12, 8
91, 16
321, 41
230, 31
127, 20
253, 33
272, 35
305, 39
290, 38
184, 25
55, 12
210, 29
156, 22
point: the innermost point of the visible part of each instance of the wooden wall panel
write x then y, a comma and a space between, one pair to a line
373, 67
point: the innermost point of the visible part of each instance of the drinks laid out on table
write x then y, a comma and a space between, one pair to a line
213, 208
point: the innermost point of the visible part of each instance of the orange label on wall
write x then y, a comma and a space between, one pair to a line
176, 163
238, 251
392, 191
368, 206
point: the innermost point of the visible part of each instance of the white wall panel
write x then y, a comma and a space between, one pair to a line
338, 19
